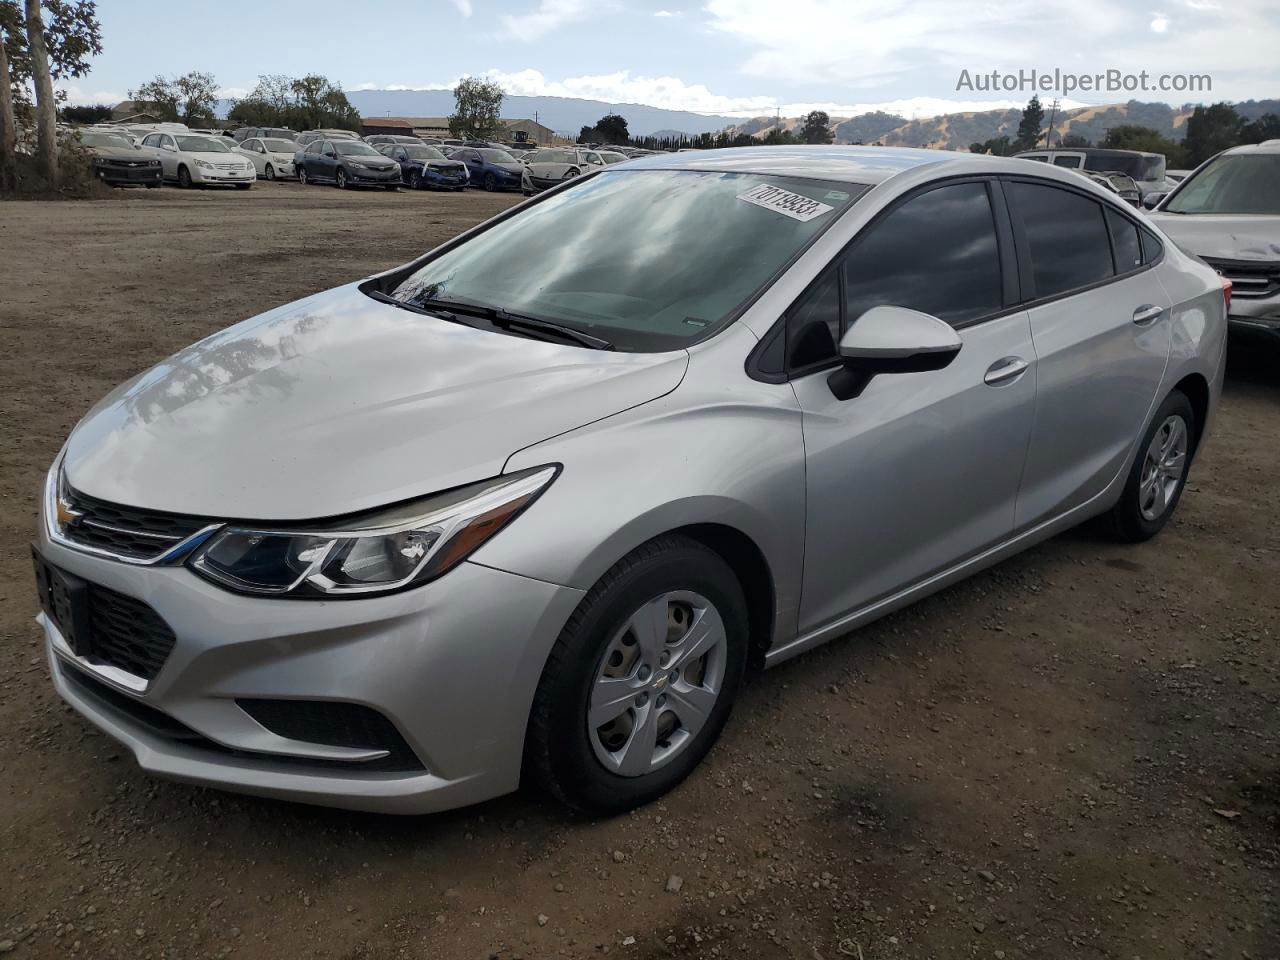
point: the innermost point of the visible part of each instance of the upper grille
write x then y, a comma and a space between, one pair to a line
127, 531
1249, 278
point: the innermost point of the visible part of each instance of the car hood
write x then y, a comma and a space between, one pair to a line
1227, 237
339, 403
515, 168
212, 156
118, 153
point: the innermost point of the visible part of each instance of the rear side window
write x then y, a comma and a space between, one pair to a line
937, 253
1067, 235
1124, 242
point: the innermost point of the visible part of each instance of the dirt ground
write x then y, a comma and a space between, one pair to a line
1071, 755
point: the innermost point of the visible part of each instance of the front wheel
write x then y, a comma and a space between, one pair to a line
270, 172
490, 182
1159, 474
302, 176
184, 178
341, 179
415, 180
641, 680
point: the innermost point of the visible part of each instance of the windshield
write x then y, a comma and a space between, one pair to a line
1136, 166
555, 156
353, 148
650, 260
496, 156
1234, 183
280, 146
106, 140
612, 157
423, 153
201, 145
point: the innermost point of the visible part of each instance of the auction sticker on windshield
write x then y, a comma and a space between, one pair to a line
794, 205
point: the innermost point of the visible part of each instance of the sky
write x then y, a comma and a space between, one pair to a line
734, 57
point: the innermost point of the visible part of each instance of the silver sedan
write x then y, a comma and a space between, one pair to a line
532, 505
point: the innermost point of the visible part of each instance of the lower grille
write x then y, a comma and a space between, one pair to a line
160, 724
126, 633
335, 724
1250, 279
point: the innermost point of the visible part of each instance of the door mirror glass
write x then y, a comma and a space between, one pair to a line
1151, 199
889, 339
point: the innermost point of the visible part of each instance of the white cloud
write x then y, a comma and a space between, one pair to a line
925, 43
551, 15
79, 96
666, 13
464, 7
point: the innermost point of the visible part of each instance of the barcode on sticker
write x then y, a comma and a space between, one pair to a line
793, 205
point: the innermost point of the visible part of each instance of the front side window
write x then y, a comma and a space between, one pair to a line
1236, 183
277, 145
649, 260
1067, 235
813, 325
937, 253
313, 147
327, 149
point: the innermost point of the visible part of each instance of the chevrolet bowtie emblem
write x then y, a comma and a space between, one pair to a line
67, 515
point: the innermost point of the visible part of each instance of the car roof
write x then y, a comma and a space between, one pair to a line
1266, 147
843, 163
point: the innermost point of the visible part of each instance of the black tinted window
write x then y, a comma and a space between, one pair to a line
1151, 247
1067, 235
936, 253
813, 324
1124, 242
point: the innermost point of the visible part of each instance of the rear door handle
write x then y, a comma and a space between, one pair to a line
1147, 314
1005, 369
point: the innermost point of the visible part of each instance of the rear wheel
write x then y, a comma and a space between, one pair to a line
1159, 474
641, 680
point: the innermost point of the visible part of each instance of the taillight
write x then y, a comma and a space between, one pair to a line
1226, 293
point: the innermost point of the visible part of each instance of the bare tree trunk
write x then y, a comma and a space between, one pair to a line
46, 106
8, 126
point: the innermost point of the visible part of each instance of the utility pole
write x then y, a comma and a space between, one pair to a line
1053, 112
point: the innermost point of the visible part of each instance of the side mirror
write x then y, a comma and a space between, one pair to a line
1152, 199
891, 340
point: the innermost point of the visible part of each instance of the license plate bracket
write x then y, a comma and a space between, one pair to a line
64, 598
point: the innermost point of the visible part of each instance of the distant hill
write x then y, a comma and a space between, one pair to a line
955, 131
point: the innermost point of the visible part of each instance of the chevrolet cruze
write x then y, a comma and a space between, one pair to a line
531, 506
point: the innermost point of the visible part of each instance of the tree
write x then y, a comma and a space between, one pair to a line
189, 98
478, 104
1072, 141
321, 103
1211, 130
268, 104
1029, 128
43, 42
588, 134
816, 128
612, 128
996, 146
1266, 127
96, 113
1130, 136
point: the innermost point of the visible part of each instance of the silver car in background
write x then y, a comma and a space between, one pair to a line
533, 504
1228, 213
548, 167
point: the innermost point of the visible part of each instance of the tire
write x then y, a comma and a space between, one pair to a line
1159, 472
184, 178
490, 182
681, 584
151, 186
302, 176
392, 187
340, 179
415, 180
270, 172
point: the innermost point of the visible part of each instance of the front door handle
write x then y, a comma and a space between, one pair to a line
1147, 314
1005, 369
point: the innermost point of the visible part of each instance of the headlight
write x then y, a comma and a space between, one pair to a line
204, 164
99, 161
375, 552
154, 163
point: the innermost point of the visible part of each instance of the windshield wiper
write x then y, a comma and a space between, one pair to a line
505, 320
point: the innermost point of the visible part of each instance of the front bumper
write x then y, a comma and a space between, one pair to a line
367, 175
199, 175
110, 173
452, 665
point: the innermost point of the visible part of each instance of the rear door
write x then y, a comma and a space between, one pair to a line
922, 469
1100, 322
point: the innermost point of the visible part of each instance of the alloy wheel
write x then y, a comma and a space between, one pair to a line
1163, 468
270, 172
657, 683
342, 179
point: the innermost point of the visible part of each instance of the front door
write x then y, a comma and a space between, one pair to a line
922, 469
1100, 323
